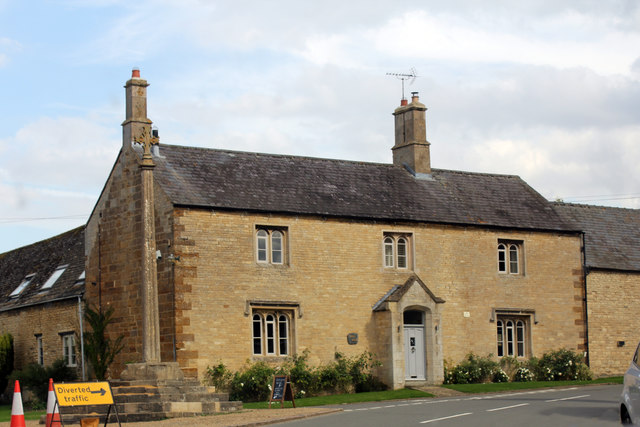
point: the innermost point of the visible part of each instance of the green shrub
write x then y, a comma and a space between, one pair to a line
305, 379
500, 376
472, 370
510, 365
35, 378
98, 348
6, 359
560, 365
253, 383
219, 377
343, 375
522, 375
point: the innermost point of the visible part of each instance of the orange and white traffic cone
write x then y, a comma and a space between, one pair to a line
53, 415
17, 413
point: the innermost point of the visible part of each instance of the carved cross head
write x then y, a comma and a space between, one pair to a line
146, 140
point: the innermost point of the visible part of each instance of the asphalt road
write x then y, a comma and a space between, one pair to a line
576, 406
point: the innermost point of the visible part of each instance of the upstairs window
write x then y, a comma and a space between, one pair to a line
509, 257
21, 287
54, 277
270, 245
396, 251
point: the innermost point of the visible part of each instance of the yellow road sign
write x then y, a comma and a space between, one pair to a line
79, 394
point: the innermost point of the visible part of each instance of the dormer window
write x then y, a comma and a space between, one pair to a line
54, 277
21, 287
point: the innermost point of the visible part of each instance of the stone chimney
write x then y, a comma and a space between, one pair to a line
411, 148
136, 108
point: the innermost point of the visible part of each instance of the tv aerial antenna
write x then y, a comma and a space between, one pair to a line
411, 76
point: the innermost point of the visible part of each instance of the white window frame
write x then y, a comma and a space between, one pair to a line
271, 246
271, 332
22, 286
512, 336
54, 277
397, 251
510, 257
69, 349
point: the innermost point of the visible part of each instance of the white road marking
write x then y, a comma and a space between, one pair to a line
506, 407
445, 418
568, 398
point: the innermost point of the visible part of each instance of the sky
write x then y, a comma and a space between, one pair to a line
546, 90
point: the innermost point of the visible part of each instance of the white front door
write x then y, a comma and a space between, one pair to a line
414, 352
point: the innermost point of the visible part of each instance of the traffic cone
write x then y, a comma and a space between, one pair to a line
17, 413
53, 415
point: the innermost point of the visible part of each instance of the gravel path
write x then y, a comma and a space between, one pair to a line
246, 417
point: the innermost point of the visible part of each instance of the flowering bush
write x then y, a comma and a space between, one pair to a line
473, 369
562, 365
500, 376
253, 382
523, 375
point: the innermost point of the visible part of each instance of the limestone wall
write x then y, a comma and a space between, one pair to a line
613, 303
335, 271
48, 320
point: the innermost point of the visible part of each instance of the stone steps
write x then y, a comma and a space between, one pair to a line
155, 399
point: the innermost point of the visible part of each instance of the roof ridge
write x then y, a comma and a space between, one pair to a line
49, 239
585, 205
277, 155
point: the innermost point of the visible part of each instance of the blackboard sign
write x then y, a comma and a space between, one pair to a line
281, 390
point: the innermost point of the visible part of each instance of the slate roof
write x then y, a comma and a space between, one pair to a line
612, 235
212, 178
42, 258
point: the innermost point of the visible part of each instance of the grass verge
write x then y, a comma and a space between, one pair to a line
339, 399
496, 387
5, 414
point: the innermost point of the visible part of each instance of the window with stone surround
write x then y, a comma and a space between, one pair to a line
271, 245
69, 348
271, 332
510, 256
40, 349
396, 249
513, 336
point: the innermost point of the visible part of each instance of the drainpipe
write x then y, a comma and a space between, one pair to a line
585, 272
84, 375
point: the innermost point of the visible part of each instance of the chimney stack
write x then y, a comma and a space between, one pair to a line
411, 146
136, 108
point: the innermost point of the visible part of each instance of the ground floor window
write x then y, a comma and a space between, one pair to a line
271, 332
40, 350
512, 336
69, 349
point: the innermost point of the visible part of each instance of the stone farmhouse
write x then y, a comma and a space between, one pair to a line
212, 256
41, 299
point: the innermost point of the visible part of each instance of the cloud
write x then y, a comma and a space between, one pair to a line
7, 45
52, 167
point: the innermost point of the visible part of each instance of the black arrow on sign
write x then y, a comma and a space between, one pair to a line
101, 391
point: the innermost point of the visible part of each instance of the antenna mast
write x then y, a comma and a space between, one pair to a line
410, 76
